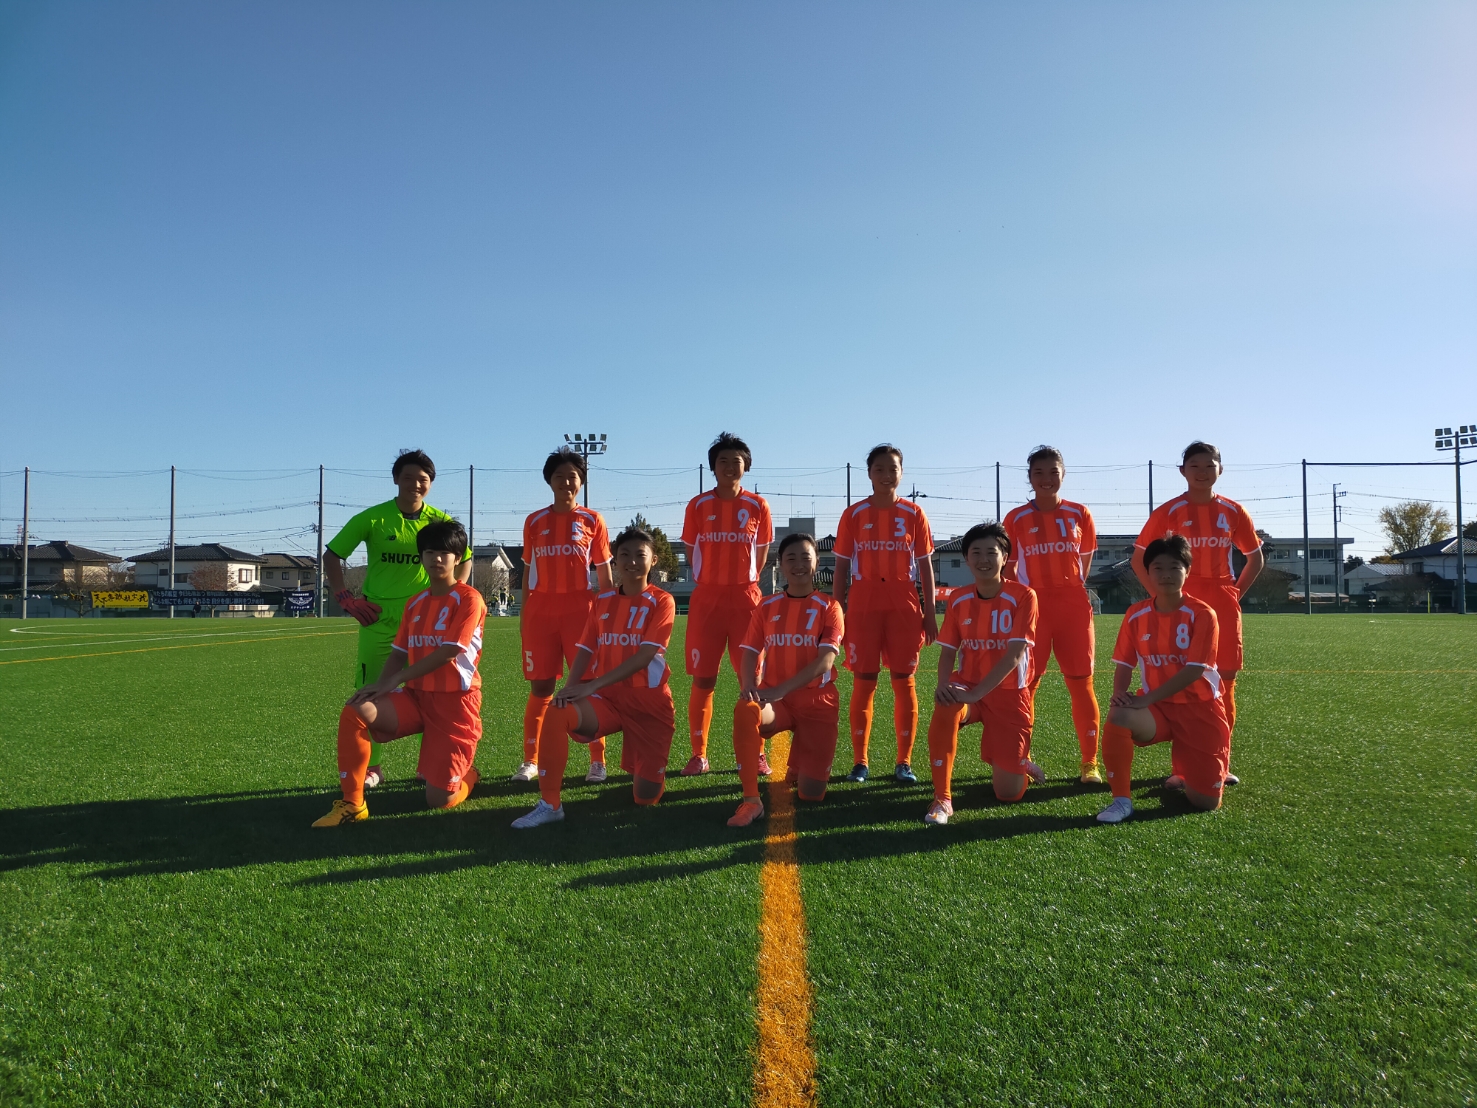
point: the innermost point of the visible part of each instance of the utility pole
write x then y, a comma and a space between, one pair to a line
587, 447
171, 536
1466, 436
26, 542
322, 601
1338, 554
700, 480
472, 522
1151, 486
1307, 561
848, 484
997, 492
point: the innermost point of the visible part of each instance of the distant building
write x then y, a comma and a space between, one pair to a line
1439, 558
242, 570
57, 567
284, 572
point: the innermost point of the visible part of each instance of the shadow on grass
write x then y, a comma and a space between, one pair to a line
127, 838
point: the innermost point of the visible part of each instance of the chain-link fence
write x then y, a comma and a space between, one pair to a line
122, 515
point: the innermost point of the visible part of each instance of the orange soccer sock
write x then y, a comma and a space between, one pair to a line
860, 714
943, 745
553, 752
597, 751
905, 715
353, 754
464, 790
533, 719
1118, 758
699, 719
748, 744
1228, 694
1086, 716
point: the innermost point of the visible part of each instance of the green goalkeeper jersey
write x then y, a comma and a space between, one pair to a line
395, 570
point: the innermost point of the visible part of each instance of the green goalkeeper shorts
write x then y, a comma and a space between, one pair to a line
375, 642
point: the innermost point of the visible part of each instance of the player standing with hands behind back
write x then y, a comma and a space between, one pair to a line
727, 533
1053, 541
560, 544
1212, 525
395, 574
882, 550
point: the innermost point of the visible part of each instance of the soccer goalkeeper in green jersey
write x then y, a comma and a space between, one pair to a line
395, 573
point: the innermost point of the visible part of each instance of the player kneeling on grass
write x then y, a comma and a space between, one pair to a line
990, 630
434, 656
619, 682
1171, 638
795, 636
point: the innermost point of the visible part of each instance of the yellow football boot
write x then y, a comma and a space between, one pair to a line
1090, 774
343, 812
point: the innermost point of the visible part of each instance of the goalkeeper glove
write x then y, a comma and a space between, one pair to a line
365, 611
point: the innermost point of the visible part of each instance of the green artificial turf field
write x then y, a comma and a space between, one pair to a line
172, 932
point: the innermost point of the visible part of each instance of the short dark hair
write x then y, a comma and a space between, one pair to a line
791, 539
985, 531
1198, 447
1176, 546
725, 441
444, 534
564, 456
1045, 453
413, 458
634, 534
881, 449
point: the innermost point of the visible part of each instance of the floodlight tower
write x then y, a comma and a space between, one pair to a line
1466, 435
586, 446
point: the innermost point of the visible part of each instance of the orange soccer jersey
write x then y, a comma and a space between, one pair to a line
1046, 546
883, 544
982, 630
1159, 645
560, 547
787, 634
724, 536
619, 625
1211, 529
431, 622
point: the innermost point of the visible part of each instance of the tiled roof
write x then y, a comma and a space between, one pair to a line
60, 551
203, 552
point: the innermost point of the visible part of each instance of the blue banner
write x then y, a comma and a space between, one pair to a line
188, 598
299, 602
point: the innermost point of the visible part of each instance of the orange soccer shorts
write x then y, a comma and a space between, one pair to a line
1064, 627
647, 718
717, 618
1225, 599
884, 627
814, 717
1005, 738
1200, 739
551, 626
452, 725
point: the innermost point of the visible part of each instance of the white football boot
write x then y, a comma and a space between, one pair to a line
542, 813
1116, 812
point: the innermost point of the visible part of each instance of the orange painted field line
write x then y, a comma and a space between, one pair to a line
185, 646
784, 1070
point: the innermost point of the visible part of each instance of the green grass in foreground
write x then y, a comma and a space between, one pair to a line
172, 932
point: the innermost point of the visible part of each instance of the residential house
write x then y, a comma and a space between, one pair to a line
242, 570
281, 572
1439, 558
57, 567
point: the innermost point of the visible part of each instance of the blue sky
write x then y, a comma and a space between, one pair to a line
276, 235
